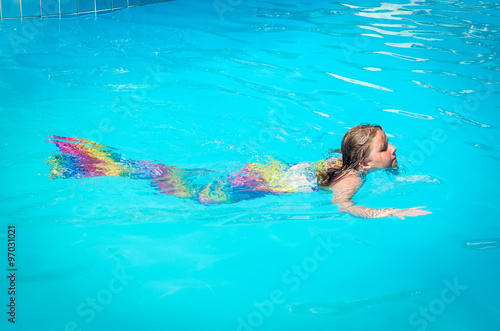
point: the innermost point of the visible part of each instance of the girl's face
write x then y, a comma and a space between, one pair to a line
382, 154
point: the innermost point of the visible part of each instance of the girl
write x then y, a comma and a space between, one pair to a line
364, 149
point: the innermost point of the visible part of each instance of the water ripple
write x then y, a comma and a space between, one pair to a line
409, 114
403, 57
463, 118
360, 82
482, 244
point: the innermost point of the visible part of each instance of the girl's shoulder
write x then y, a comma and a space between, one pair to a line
350, 178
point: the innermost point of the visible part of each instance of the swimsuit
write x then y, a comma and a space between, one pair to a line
80, 158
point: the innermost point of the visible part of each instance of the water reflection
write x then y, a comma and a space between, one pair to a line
389, 11
360, 82
482, 244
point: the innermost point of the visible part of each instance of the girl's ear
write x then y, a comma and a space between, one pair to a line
364, 165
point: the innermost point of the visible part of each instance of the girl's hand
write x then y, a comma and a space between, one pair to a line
411, 212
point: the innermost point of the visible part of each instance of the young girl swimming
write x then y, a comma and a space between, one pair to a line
364, 148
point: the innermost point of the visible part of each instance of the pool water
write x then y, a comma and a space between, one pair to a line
207, 84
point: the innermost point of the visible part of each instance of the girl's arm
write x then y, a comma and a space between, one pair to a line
344, 190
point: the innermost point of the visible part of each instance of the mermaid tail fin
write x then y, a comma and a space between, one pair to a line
80, 158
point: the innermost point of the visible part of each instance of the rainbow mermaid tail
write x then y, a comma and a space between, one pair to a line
81, 158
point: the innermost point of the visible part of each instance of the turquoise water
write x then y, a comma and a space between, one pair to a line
207, 84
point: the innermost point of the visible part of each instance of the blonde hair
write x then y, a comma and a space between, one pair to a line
355, 148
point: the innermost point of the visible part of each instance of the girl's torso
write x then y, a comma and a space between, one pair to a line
279, 177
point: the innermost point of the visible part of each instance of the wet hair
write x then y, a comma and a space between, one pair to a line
355, 148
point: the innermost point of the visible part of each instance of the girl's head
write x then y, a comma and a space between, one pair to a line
364, 148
